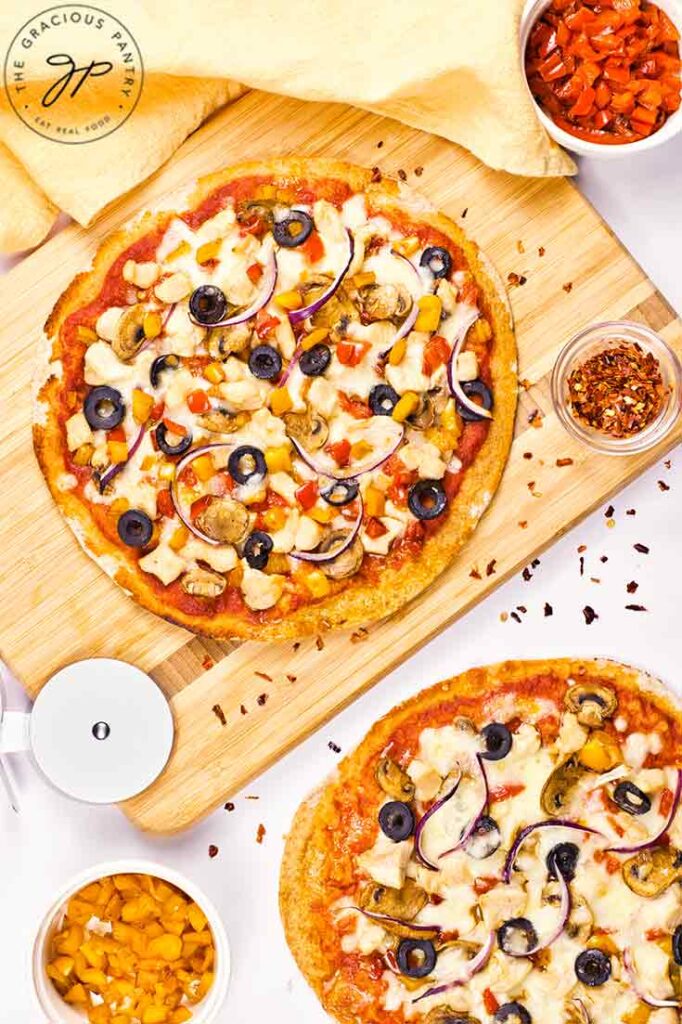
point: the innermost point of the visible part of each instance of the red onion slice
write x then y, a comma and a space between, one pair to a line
297, 316
629, 964
525, 832
324, 465
327, 556
114, 470
471, 827
175, 497
167, 315
648, 843
473, 967
264, 296
456, 388
418, 834
564, 913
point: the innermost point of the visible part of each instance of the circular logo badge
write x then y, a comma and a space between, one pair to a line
73, 74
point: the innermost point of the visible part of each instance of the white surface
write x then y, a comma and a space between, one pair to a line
53, 838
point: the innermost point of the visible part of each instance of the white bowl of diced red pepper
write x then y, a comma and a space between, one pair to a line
604, 77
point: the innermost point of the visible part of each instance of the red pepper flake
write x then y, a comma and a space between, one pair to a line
376, 175
243, 710
265, 676
594, 579
380, 143
253, 798
618, 391
515, 616
635, 608
590, 614
548, 610
564, 462
207, 663
418, 171
603, 558
402, 174
581, 548
522, 608
525, 384
527, 574
541, 251
475, 574
212, 851
229, 806
609, 511
528, 455
490, 567
662, 485
319, 643
464, 212
515, 280
260, 834
642, 548
359, 635
523, 523
295, 646
262, 699
632, 587
334, 746
582, 565
490, 1002
219, 713
668, 463
568, 287
292, 679
631, 512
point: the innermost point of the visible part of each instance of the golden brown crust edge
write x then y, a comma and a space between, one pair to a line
356, 605
300, 873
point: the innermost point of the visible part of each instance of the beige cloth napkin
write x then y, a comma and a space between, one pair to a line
451, 67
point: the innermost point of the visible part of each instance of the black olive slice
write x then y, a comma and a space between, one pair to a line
498, 741
257, 549
485, 840
208, 304
184, 443
383, 399
593, 967
265, 362
294, 229
562, 860
396, 821
677, 945
160, 365
315, 361
416, 957
104, 408
476, 389
135, 528
438, 260
631, 798
245, 463
517, 936
341, 492
513, 1013
427, 499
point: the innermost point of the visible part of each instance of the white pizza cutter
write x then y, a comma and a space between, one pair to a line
100, 731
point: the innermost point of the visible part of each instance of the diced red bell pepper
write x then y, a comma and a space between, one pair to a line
164, 504
306, 495
197, 401
313, 248
436, 353
340, 452
350, 353
254, 273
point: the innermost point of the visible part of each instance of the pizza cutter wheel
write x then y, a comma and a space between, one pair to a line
100, 731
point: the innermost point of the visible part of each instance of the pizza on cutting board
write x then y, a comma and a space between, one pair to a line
504, 847
282, 406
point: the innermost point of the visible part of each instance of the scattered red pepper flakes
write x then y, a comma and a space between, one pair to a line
402, 174
515, 280
219, 713
523, 523
590, 614
632, 587
464, 212
295, 646
618, 391
380, 143
207, 663
607, 73
229, 806
475, 574
319, 643
668, 463
264, 675
260, 834
359, 635
541, 251
528, 455
490, 567
334, 747
642, 548
581, 548
515, 616
662, 485
376, 175
213, 851
609, 511
418, 171
564, 462
291, 678
631, 512
635, 607
262, 699
568, 287
243, 710
548, 610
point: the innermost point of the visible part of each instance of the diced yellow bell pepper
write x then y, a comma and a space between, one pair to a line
481, 331
143, 404
430, 309
603, 942
408, 404
151, 325
407, 246
167, 471
155, 1015
278, 460
166, 946
375, 502
275, 518
99, 1014
119, 506
209, 251
289, 300
63, 966
86, 334
93, 955
314, 338
76, 994
640, 1015
601, 752
397, 353
203, 467
83, 455
180, 250
449, 417
196, 917
364, 279
280, 401
148, 462
360, 450
94, 978
181, 1015
321, 514
69, 940
179, 538
118, 451
317, 583
214, 373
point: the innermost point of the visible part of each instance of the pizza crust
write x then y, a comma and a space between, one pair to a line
358, 604
302, 881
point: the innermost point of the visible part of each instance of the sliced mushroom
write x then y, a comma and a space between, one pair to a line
463, 724
580, 920
224, 520
592, 703
345, 564
129, 336
308, 428
426, 413
393, 780
385, 302
226, 341
403, 903
557, 790
650, 872
203, 583
220, 421
261, 209
446, 1015
337, 313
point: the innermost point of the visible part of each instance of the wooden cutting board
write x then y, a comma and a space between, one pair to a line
57, 606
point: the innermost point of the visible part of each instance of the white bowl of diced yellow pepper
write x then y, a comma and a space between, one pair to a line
131, 942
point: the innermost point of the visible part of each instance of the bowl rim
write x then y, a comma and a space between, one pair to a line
651, 435
55, 1010
583, 147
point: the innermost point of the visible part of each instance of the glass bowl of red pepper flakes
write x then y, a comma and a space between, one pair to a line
617, 386
605, 75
